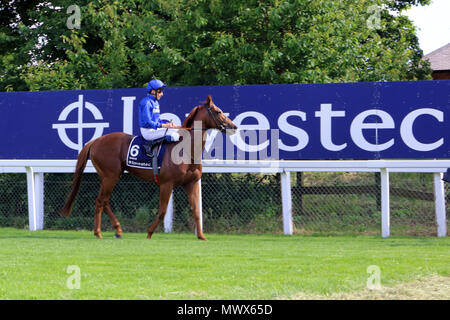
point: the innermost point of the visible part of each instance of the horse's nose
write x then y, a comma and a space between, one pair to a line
231, 129
233, 126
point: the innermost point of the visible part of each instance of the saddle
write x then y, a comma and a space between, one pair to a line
145, 154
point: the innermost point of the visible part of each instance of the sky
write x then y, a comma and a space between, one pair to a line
433, 24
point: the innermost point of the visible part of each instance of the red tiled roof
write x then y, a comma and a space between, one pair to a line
440, 58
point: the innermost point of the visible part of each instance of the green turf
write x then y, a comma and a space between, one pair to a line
33, 265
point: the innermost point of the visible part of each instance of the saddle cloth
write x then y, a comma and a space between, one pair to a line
138, 158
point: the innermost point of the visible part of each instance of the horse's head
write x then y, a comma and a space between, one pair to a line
217, 119
212, 118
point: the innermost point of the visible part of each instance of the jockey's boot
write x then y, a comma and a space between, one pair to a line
148, 147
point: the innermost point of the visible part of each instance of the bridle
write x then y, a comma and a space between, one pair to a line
220, 126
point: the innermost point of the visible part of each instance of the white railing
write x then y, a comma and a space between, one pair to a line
36, 168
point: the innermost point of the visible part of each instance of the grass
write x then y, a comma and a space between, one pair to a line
431, 287
33, 265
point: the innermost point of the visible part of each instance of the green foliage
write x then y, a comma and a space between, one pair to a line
123, 44
13, 199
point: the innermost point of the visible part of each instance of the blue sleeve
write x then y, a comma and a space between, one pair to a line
146, 118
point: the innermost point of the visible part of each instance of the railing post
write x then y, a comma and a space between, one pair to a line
168, 218
385, 207
35, 190
286, 199
439, 202
200, 209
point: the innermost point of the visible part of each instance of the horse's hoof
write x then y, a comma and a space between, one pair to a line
98, 235
202, 238
149, 236
117, 236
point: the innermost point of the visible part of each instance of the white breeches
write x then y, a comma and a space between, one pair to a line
172, 135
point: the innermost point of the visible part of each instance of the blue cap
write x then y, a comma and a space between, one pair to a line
155, 84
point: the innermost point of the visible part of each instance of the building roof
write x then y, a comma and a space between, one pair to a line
440, 58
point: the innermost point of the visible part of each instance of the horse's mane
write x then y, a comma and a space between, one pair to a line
190, 118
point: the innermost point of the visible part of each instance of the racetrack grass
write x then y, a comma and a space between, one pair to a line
33, 265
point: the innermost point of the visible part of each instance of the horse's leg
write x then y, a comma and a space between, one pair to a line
165, 192
98, 220
102, 202
115, 223
192, 190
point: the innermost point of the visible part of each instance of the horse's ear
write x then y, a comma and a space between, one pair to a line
208, 100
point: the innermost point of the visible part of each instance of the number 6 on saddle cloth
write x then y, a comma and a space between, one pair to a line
148, 154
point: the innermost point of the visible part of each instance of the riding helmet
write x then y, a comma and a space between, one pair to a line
155, 84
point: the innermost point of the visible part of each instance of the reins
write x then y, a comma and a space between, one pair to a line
220, 126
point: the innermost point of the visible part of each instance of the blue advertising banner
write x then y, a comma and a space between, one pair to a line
388, 120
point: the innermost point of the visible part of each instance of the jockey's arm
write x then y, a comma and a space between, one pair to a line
168, 125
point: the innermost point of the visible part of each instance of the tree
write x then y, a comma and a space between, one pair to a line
14, 25
198, 42
242, 42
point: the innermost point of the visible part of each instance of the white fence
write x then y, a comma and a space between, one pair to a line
36, 168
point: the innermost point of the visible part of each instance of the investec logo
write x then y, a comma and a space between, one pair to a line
250, 132
79, 106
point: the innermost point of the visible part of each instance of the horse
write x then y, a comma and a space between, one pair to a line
108, 155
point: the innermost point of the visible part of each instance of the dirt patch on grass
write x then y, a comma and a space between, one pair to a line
432, 287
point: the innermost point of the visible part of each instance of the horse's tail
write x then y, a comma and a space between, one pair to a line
81, 165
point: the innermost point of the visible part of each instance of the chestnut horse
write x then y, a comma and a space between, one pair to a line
108, 155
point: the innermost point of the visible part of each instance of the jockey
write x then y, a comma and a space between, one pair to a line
152, 127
